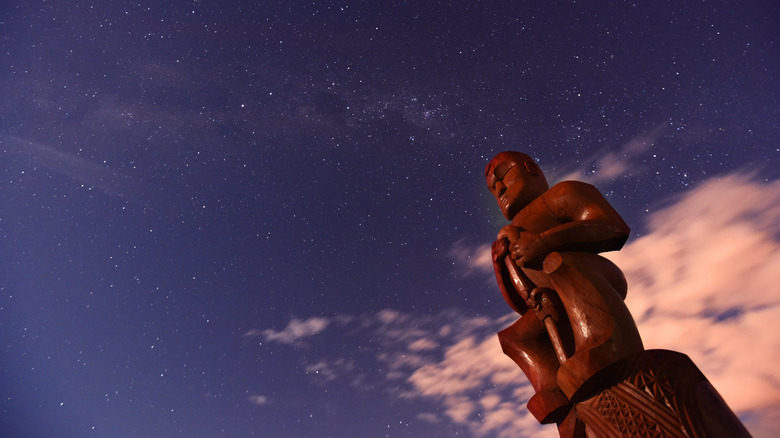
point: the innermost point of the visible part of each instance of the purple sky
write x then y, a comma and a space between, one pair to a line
269, 218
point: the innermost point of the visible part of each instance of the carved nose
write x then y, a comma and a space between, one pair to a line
500, 188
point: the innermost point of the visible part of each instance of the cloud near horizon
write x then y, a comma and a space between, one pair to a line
450, 360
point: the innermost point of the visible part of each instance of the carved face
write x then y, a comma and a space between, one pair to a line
515, 180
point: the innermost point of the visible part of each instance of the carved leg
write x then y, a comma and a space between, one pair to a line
602, 327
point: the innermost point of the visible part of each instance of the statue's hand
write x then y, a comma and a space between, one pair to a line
529, 250
500, 249
510, 232
507, 235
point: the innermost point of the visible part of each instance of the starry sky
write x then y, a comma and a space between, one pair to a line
270, 218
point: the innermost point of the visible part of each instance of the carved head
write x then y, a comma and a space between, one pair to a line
515, 180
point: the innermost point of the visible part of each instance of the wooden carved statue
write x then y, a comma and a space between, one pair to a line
575, 340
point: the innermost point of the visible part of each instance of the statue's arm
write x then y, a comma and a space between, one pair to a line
586, 222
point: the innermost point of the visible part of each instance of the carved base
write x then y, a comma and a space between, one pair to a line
656, 393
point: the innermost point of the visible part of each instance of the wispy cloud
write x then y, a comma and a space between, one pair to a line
478, 388
606, 167
258, 399
470, 258
295, 330
329, 370
89, 173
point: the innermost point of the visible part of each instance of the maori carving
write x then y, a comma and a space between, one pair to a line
575, 340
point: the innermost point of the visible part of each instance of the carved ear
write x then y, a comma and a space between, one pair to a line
532, 168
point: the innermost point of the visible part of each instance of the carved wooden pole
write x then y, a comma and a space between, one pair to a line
539, 300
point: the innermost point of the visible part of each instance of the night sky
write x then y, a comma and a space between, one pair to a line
270, 218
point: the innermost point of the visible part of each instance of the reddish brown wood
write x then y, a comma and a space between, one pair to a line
575, 340
657, 393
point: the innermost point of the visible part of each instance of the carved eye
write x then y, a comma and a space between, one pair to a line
502, 169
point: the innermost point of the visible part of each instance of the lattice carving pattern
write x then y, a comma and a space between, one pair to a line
627, 420
643, 405
658, 393
657, 387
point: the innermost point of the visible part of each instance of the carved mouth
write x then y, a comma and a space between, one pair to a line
505, 201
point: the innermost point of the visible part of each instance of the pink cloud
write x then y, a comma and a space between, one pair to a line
471, 259
258, 399
295, 330
479, 388
704, 281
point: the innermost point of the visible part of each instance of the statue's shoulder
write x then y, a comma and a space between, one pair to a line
569, 198
569, 188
